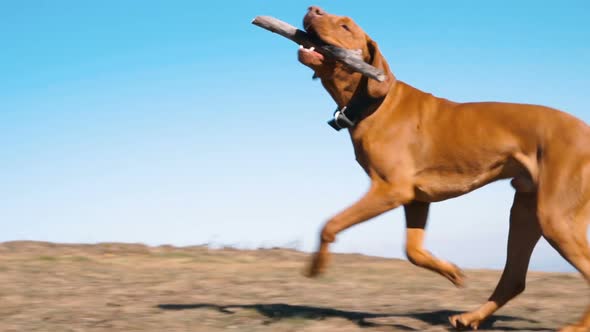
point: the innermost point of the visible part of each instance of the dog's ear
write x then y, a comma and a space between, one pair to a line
375, 88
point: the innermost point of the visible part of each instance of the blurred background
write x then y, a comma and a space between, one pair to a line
179, 122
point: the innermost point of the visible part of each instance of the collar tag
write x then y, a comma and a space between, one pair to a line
340, 120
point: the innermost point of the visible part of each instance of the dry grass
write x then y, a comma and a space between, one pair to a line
120, 287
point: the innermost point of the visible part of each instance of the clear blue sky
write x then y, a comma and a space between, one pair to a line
180, 122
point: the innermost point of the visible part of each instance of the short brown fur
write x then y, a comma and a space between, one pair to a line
418, 149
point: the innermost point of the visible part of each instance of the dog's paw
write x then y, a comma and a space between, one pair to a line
575, 328
467, 320
317, 266
454, 274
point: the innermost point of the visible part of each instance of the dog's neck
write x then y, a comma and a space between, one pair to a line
353, 100
342, 88
359, 106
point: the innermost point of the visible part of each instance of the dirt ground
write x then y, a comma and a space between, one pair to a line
128, 287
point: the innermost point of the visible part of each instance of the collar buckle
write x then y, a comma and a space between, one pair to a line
340, 120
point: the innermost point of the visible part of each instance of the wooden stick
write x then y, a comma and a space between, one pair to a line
350, 58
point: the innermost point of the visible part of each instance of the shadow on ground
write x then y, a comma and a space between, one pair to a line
278, 311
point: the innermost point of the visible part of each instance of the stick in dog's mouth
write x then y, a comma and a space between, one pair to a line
350, 58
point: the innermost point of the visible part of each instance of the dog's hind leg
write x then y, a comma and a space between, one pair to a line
569, 239
523, 235
564, 213
580, 238
416, 217
380, 198
580, 234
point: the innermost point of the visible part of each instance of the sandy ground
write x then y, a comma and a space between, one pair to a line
123, 287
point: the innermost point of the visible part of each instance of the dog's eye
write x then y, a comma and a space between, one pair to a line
345, 27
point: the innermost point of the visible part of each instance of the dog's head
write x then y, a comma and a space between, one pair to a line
341, 31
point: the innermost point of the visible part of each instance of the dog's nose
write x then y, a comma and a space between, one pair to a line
315, 11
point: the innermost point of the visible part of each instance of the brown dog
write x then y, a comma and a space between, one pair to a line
418, 149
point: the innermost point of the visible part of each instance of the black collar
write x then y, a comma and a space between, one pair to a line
349, 115
341, 119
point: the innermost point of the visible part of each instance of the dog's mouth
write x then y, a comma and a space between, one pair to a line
311, 52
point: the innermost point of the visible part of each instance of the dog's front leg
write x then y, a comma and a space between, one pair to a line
380, 198
416, 217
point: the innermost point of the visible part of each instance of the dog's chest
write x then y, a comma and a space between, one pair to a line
383, 153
